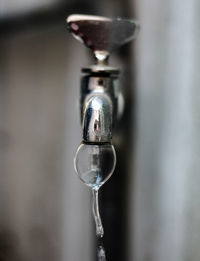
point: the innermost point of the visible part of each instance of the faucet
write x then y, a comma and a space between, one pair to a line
101, 100
99, 105
99, 87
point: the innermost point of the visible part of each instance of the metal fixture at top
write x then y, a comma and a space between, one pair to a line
99, 87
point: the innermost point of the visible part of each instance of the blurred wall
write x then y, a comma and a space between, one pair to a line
42, 216
166, 199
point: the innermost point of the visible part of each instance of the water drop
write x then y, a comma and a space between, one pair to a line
94, 164
101, 254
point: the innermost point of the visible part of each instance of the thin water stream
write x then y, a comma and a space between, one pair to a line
96, 214
101, 255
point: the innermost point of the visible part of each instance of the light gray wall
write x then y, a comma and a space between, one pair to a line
166, 200
45, 208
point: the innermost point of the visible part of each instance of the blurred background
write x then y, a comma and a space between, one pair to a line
151, 205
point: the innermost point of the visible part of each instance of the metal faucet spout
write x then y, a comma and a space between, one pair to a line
97, 119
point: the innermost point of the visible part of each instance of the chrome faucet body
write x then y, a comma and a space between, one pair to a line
99, 90
99, 103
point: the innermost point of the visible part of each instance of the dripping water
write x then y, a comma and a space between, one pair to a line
101, 255
96, 214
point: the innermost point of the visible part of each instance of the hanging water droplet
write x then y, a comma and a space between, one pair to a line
94, 164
